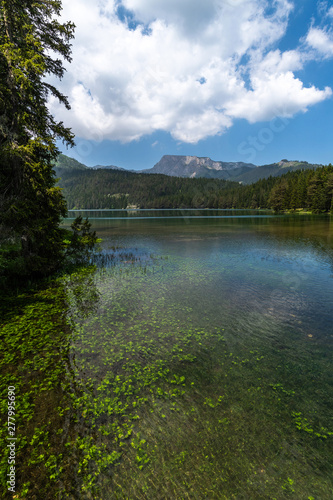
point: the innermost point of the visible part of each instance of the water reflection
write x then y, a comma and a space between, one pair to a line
185, 214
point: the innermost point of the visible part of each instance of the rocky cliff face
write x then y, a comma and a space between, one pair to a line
192, 166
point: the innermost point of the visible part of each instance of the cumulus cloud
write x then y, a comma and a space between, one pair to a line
321, 40
276, 95
189, 68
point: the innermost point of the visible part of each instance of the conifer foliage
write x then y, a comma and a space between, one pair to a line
33, 46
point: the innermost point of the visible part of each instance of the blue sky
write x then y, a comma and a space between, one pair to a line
235, 80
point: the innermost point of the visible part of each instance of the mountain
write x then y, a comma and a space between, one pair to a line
274, 170
65, 163
193, 166
197, 167
118, 189
109, 167
246, 173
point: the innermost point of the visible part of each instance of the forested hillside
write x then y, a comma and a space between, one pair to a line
66, 163
307, 189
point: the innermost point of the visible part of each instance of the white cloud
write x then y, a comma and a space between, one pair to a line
190, 68
275, 95
321, 40
324, 10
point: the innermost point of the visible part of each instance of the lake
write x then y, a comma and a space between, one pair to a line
193, 362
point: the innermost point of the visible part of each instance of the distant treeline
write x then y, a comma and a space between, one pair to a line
308, 189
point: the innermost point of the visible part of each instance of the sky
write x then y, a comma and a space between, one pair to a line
234, 80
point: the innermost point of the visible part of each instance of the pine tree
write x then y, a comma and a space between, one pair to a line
277, 197
31, 206
330, 189
317, 198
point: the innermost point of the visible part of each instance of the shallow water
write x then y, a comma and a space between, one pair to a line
195, 362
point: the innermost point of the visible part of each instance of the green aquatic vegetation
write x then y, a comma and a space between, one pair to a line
140, 447
36, 338
126, 392
303, 424
280, 389
288, 485
211, 403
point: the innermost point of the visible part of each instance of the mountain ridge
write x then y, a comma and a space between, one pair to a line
199, 167
247, 173
194, 166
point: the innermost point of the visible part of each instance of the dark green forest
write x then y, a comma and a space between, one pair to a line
32, 241
310, 190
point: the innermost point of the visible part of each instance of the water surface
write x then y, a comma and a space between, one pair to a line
195, 362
